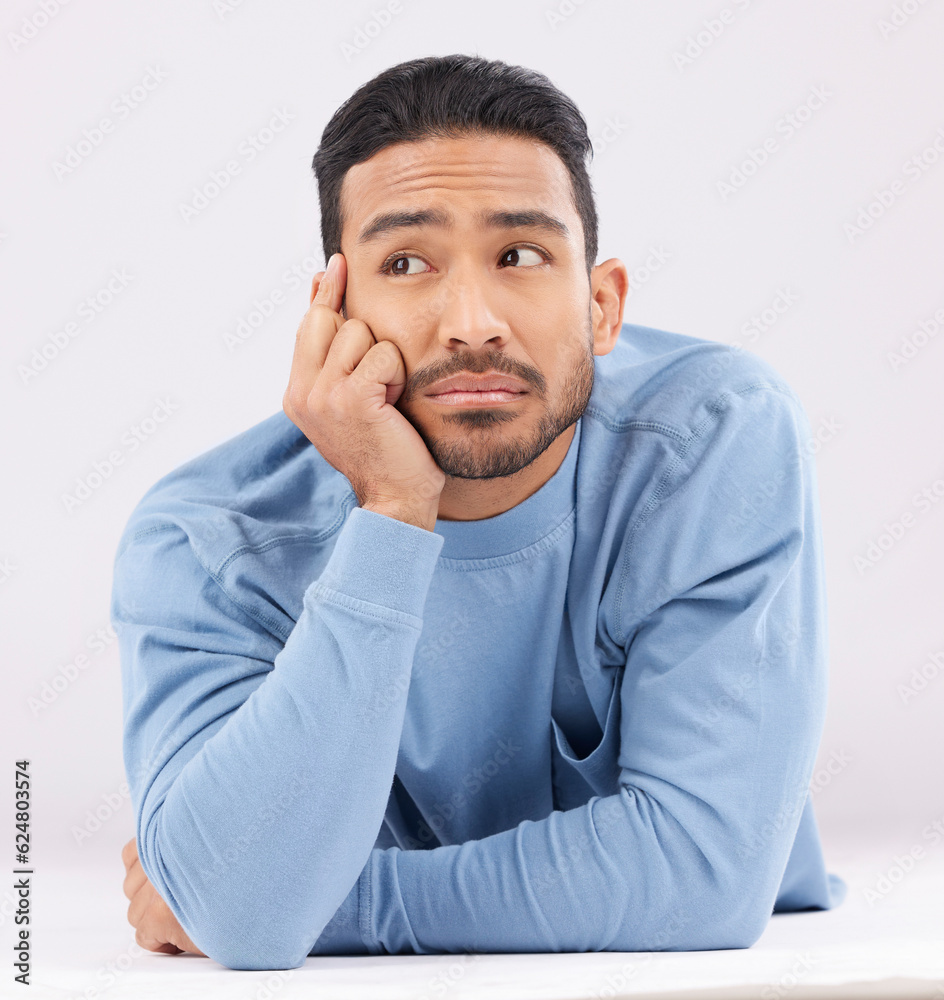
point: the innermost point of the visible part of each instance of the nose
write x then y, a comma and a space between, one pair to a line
466, 318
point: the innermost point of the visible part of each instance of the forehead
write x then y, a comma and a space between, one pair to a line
468, 174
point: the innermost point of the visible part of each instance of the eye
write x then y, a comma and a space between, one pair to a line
520, 255
393, 265
407, 264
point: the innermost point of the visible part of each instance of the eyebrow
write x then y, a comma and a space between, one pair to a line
390, 222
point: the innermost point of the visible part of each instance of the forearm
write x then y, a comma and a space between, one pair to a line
618, 874
255, 840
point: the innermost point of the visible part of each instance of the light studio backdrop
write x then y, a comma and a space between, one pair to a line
772, 174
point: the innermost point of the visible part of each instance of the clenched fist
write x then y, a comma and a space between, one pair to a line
156, 927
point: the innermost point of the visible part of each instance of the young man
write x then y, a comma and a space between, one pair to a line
480, 644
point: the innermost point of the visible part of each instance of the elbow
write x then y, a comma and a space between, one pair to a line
710, 921
258, 956
706, 910
732, 922
253, 941
730, 913
229, 922
246, 941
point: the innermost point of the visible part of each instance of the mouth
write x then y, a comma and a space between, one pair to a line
490, 397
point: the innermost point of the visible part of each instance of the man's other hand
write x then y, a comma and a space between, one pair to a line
156, 928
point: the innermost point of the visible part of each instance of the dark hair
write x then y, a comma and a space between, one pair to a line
449, 96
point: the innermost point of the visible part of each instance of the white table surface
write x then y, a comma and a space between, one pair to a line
893, 948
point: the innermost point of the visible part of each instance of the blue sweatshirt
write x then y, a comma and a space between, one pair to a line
588, 723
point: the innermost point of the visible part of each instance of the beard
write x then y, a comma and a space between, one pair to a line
481, 455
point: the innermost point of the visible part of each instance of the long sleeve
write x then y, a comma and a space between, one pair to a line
722, 701
259, 770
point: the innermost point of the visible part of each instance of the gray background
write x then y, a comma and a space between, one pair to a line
666, 133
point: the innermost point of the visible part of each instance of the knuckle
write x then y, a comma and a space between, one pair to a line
295, 398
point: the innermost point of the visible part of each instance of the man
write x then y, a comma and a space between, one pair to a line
479, 645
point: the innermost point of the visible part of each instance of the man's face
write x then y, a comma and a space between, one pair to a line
472, 291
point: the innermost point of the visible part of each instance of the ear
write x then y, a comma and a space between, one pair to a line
609, 286
315, 282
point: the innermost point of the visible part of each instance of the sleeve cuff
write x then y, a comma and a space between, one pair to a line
380, 560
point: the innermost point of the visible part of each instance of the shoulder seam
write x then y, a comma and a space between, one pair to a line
273, 626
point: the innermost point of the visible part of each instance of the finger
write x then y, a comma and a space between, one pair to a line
313, 340
134, 880
163, 925
331, 287
140, 904
129, 853
151, 943
315, 282
146, 914
381, 366
346, 351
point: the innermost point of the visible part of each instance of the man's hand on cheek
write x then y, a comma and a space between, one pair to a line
341, 393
